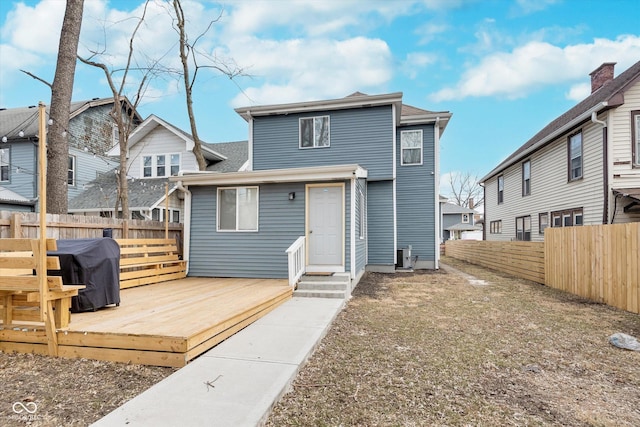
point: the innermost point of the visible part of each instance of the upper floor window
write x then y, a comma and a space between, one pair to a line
411, 144
635, 137
5, 165
238, 209
71, 172
523, 228
575, 156
115, 134
160, 165
526, 178
314, 132
500, 189
465, 218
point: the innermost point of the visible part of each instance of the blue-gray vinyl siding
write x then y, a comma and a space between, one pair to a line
258, 254
7, 206
361, 244
88, 167
415, 199
23, 169
380, 223
362, 136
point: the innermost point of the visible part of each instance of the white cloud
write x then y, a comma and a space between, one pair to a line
537, 64
26, 30
306, 69
417, 61
429, 31
530, 6
578, 92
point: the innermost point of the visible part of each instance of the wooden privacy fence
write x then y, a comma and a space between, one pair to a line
25, 225
598, 262
520, 259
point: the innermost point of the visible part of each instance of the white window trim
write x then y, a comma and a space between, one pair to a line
154, 164
581, 156
74, 167
218, 229
402, 148
314, 132
7, 165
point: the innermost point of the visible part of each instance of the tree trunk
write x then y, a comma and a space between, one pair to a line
61, 92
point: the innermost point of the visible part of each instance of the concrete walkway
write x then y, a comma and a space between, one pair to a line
237, 382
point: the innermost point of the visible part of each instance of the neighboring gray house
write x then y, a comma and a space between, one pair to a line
157, 150
91, 133
582, 168
456, 220
354, 177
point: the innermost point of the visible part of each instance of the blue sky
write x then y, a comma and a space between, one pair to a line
504, 68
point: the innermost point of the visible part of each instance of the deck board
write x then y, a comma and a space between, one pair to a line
166, 323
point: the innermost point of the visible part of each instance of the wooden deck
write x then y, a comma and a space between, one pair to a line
164, 324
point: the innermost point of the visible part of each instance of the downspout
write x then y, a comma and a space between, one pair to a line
187, 220
605, 166
436, 188
249, 166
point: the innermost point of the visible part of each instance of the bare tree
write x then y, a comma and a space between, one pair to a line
188, 53
465, 189
59, 111
122, 114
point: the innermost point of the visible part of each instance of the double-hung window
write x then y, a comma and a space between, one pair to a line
5, 165
526, 178
575, 156
160, 165
500, 189
71, 171
237, 209
411, 143
523, 228
543, 222
635, 137
314, 132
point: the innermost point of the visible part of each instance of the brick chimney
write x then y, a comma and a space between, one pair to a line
471, 205
601, 75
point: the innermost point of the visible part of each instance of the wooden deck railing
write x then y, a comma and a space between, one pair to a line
296, 257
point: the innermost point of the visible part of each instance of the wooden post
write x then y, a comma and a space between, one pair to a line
125, 229
46, 309
166, 210
15, 226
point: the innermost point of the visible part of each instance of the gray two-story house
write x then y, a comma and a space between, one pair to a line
356, 177
91, 132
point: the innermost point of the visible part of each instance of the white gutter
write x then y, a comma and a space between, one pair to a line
393, 189
564, 129
249, 163
186, 237
436, 190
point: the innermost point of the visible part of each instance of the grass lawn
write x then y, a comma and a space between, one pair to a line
429, 348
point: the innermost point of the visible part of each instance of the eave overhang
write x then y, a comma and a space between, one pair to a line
320, 173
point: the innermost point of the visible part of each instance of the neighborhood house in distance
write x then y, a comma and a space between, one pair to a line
582, 168
91, 133
356, 176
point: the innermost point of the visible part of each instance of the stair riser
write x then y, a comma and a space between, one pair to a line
313, 286
312, 294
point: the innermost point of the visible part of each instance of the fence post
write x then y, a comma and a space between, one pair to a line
15, 227
125, 229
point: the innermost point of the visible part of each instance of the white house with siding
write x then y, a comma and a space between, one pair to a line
156, 150
582, 168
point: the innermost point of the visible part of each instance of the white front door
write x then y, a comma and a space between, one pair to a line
325, 228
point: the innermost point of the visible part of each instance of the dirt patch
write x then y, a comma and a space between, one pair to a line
430, 349
410, 349
67, 392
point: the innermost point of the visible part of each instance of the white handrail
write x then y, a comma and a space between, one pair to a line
296, 257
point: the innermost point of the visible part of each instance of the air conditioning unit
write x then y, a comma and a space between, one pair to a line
407, 259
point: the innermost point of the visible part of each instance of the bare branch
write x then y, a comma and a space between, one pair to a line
38, 78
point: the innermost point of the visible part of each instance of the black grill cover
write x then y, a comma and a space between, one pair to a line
94, 263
